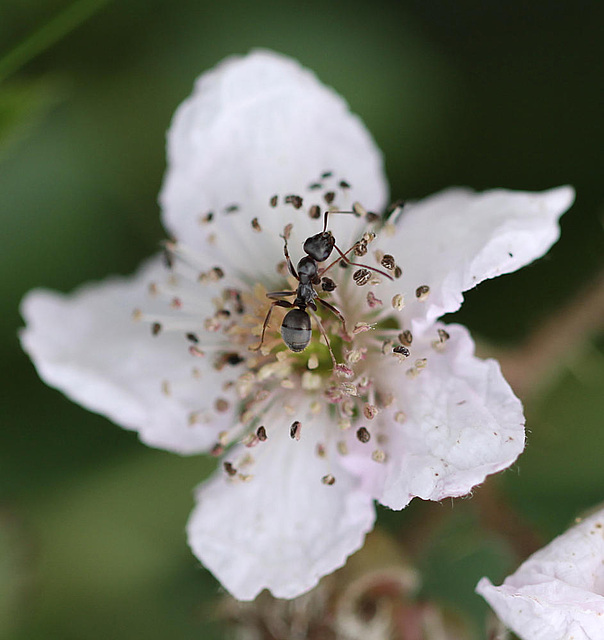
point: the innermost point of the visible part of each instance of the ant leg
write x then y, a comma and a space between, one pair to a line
277, 295
329, 266
324, 334
358, 264
336, 312
276, 303
290, 264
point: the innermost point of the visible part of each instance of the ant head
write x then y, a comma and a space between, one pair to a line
320, 246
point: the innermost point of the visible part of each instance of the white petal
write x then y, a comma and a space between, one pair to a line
456, 239
87, 345
558, 593
283, 529
462, 423
254, 127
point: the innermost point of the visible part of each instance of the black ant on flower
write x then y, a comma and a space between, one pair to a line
296, 326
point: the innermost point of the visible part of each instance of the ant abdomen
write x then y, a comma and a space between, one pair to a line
295, 330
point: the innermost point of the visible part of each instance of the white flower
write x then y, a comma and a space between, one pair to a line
259, 143
558, 593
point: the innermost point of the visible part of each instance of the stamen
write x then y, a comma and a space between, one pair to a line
363, 435
230, 469
370, 411
422, 292
398, 302
315, 211
295, 431
379, 455
361, 277
328, 479
342, 447
261, 433
406, 337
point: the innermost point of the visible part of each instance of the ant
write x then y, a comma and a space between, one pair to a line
296, 327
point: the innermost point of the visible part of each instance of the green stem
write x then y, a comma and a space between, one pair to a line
42, 39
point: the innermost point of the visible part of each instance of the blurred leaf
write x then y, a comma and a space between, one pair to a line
14, 571
560, 474
23, 105
112, 553
457, 555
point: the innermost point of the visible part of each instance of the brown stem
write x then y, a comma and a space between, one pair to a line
552, 344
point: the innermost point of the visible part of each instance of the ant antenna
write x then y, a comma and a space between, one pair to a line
327, 212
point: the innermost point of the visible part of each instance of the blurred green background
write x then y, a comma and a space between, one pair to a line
485, 94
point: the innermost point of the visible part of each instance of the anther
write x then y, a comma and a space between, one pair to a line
315, 211
216, 273
137, 314
329, 197
400, 417
401, 350
327, 284
321, 452
326, 174
192, 338
398, 302
273, 201
217, 450
421, 363
378, 455
295, 431
361, 276
388, 262
370, 411
443, 335
344, 184
295, 201
313, 361
196, 351
406, 337
232, 208
422, 292
221, 405
168, 258
155, 328
359, 209
372, 301
207, 218
394, 207
342, 447
256, 225
363, 435
398, 272
230, 469
360, 249
328, 479
261, 433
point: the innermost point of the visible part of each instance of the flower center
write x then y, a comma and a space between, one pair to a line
312, 347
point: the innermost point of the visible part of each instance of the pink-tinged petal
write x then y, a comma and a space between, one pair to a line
455, 239
88, 345
255, 127
284, 528
558, 593
454, 420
